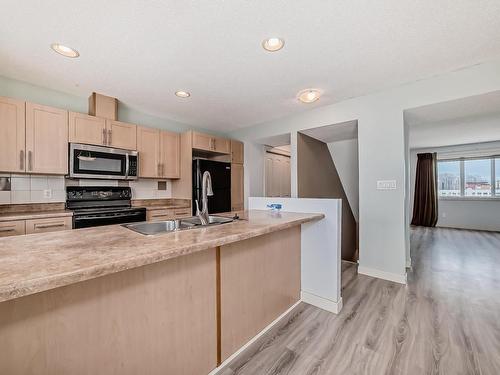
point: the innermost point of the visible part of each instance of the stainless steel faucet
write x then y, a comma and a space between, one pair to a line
206, 191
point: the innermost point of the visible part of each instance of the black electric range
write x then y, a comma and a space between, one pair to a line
94, 206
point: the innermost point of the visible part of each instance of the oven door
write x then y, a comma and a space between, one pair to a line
87, 161
120, 217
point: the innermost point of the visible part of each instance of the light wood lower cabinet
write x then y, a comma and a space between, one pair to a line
12, 135
259, 280
12, 228
48, 225
20, 227
46, 139
156, 319
168, 214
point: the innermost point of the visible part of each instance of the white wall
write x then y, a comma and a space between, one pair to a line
26, 91
465, 213
474, 129
381, 141
345, 157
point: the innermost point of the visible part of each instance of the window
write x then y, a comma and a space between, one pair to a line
449, 178
497, 177
469, 177
477, 178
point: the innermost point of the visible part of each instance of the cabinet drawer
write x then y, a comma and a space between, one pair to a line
12, 228
48, 225
182, 212
158, 215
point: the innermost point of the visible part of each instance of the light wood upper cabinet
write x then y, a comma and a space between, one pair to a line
148, 146
237, 152
170, 154
237, 198
46, 139
87, 129
159, 153
203, 141
206, 142
121, 135
222, 145
12, 135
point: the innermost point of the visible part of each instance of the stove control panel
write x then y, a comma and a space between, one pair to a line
97, 193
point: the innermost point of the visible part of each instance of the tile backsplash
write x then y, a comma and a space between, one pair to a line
25, 188
150, 189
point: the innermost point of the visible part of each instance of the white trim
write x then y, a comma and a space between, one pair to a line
401, 279
321, 302
408, 263
486, 198
222, 366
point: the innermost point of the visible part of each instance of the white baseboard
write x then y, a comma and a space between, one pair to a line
321, 302
255, 338
401, 279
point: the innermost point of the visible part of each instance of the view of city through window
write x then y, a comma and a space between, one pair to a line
449, 178
477, 176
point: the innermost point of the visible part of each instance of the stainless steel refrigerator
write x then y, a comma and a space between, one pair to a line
221, 184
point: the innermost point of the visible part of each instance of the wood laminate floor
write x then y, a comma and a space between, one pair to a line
445, 321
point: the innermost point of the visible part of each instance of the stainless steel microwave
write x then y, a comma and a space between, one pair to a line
87, 161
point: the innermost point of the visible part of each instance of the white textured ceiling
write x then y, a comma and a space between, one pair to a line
143, 51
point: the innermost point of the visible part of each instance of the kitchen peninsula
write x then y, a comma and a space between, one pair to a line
108, 300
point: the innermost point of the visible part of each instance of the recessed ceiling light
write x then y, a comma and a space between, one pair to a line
309, 95
273, 44
182, 94
64, 50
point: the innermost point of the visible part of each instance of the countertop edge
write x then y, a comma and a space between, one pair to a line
33, 286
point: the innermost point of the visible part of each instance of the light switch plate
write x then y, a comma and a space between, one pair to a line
386, 185
47, 193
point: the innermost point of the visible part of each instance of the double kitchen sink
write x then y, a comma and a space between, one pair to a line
158, 227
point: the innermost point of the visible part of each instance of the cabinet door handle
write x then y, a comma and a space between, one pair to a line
158, 170
7, 229
49, 225
103, 136
21, 160
30, 160
109, 137
162, 169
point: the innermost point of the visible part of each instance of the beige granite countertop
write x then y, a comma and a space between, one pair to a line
34, 215
39, 262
